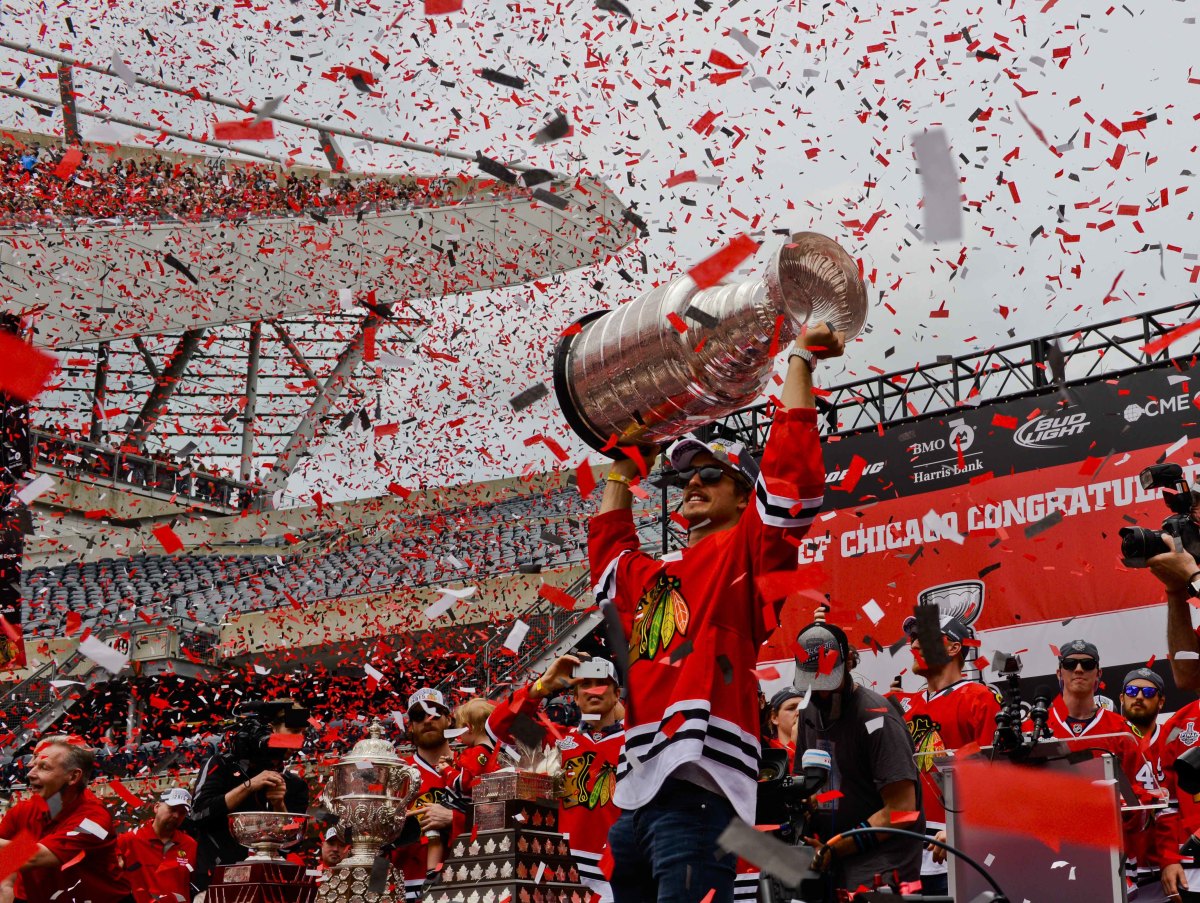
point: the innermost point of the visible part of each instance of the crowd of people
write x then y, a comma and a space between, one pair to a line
41, 185
661, 756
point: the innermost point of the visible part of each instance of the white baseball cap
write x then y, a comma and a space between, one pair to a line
426, 697
177, 796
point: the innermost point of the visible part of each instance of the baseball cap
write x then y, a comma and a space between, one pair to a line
783, 696
426, 697
596, 667
823, 667
1078, 647
733, 455
952, 628
1146, 674
177, 796
331, 833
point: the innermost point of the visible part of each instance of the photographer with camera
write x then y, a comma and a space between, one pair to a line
1171, 555
248, 777
873, 771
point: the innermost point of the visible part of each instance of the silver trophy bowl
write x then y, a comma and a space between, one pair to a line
370, 790
264, 833
629, 373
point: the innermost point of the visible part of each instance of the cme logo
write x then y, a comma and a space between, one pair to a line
1156, 407
1045, 430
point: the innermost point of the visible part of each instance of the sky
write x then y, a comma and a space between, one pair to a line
1073, 128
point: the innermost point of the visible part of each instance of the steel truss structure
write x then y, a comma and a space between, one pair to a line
1099, 350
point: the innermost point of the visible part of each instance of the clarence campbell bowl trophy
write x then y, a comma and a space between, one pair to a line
369, 790
265, 876
632, 374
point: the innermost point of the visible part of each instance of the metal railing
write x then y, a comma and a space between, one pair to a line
494, 664
92, 463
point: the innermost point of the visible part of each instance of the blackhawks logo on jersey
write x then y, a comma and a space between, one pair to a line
434, 796
662, 614
927, 741
582, 787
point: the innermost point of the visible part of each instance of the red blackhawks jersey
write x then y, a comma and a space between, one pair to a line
951, 718
412, 859
589, 762
1173, 738
1110, 731
695, 621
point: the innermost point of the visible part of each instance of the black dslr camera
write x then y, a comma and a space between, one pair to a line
1139, 544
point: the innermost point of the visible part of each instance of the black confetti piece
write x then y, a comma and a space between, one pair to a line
556, 128
503, 78
525, 398
708, 321
550, 199
929, 633
726, 669
179, 265
987, 570
614, 6
380, 869
1054, 517
495, 168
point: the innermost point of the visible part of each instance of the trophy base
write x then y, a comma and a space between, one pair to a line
261, 881
353, 884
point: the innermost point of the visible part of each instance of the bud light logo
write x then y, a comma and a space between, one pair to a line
1048, 430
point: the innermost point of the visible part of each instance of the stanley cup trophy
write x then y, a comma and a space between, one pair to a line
369, 790
630, 373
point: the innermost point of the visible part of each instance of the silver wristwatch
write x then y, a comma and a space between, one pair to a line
805, 355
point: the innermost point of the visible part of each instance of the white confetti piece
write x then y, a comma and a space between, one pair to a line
1175, 446
541, 870
940, 186
516, 636
104, 655
455, 732
373, 672
123, 72
92, 828
873, 725
34, 488
873, 611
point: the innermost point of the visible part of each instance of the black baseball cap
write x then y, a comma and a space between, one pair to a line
1078, 647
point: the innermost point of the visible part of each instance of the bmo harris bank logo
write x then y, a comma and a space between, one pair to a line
1049, 430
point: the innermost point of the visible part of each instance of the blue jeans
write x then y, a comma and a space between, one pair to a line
666, 851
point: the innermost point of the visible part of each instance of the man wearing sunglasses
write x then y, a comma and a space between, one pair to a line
1076, 715
694, 621
1142, 701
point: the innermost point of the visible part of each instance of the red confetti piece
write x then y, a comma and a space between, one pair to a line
285, 741
1004, 420
585, 479
1056, 808
244, 130
1174, 335
24, 370
442, 7
712, 270
69, 163
557, 596
677, 321
168, 539
125, 794
679, 178
16, 853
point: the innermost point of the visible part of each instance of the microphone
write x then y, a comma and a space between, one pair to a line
815, 766
1039, 713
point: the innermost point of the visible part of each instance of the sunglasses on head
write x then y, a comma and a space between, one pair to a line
1070, 664
1149, 692
709, 476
